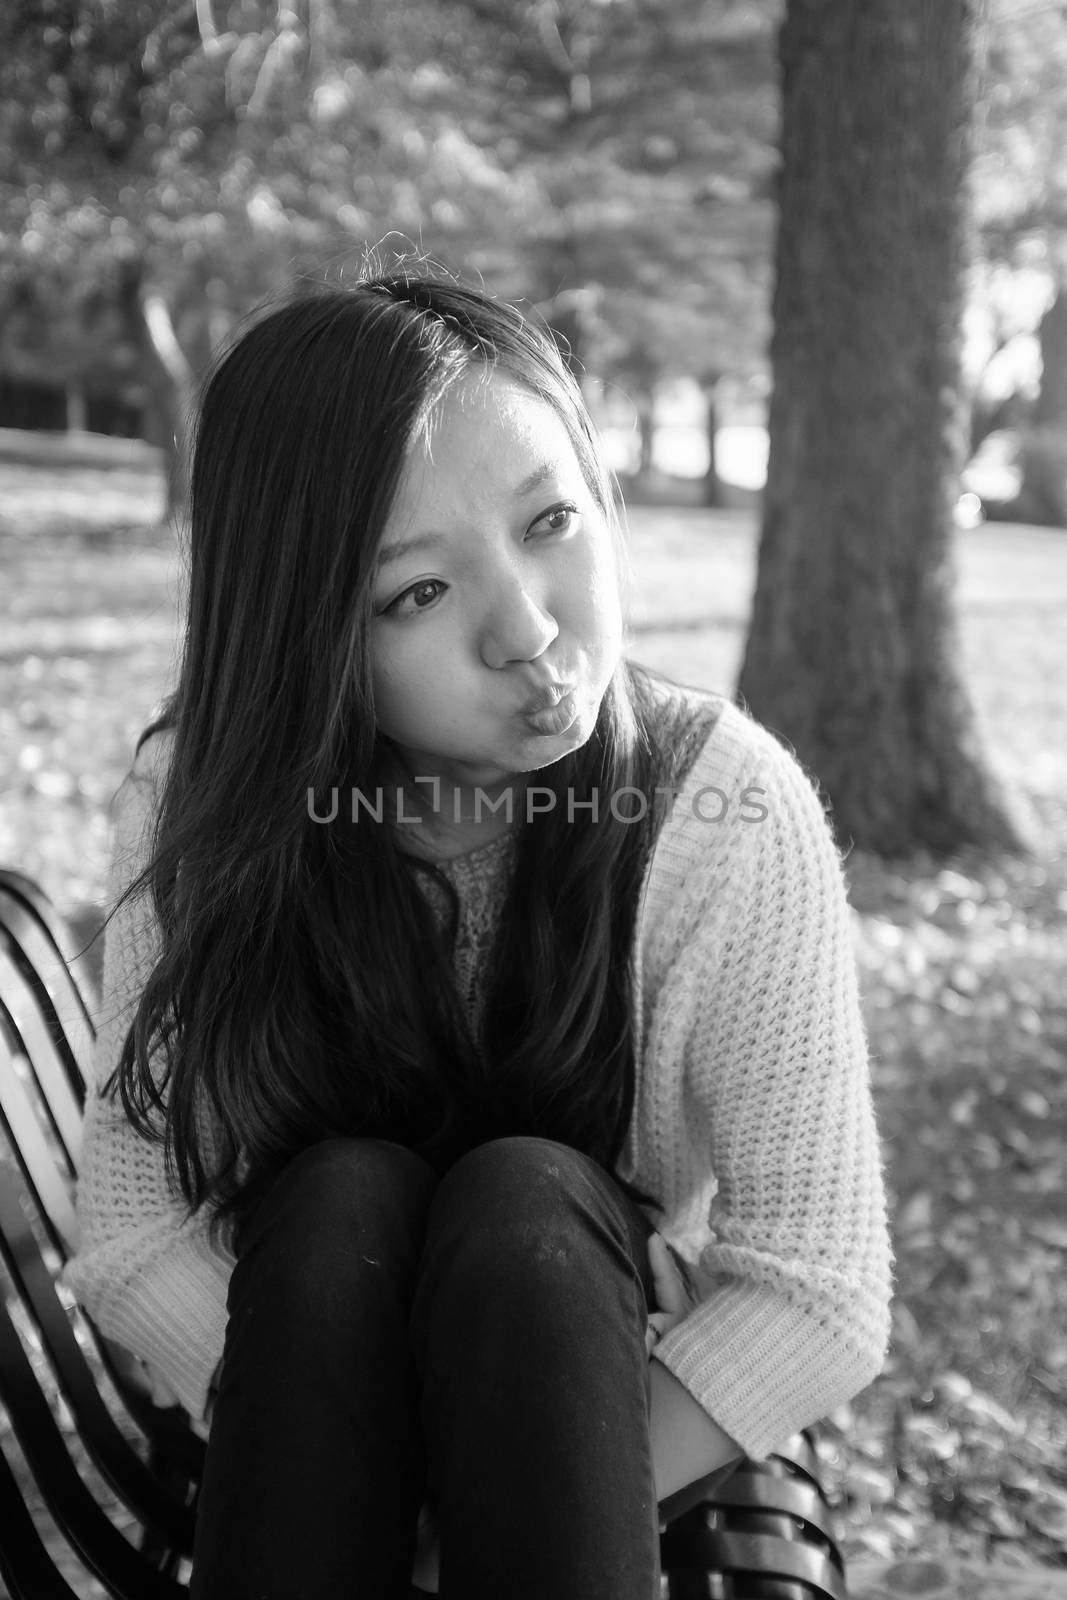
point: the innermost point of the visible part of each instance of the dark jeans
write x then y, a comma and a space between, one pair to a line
480, 1335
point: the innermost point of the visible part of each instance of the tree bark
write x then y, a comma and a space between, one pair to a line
1051, 404
77, 412
567, 327
646, 430
852, 648
712, 495
167, 375
1043, 491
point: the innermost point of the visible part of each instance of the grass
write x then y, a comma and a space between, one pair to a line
960, 1446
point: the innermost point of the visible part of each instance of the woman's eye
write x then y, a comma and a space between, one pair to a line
558, 520
428, 587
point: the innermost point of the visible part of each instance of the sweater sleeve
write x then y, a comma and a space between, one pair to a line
148, 1274
760, 995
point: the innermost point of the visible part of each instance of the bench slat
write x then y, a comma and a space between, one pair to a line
112, 1453
36, 1159
36, 902
70, 1014
28, 1571
758, 1558
103, 1549
19, 1001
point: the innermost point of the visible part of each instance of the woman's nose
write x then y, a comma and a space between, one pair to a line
516, 627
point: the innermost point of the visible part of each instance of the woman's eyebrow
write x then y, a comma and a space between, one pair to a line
540, 474
421, 541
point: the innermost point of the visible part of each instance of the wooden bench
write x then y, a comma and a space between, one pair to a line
96, 1482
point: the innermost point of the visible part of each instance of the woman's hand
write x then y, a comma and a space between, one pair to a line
141, 1375
687, 1444
672, 1297
160, 1390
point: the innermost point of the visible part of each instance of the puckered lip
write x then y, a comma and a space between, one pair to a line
546, 698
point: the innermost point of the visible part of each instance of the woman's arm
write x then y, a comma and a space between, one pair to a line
757, 1050
686, 1444
149, 1276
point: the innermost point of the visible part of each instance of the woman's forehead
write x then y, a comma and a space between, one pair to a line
492, 429
485, 397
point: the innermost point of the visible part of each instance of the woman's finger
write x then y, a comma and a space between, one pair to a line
160, 1390
659, 1323
670, 1290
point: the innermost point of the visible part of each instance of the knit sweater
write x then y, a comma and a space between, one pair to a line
752, 1114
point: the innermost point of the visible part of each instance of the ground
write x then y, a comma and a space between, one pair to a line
957, 1453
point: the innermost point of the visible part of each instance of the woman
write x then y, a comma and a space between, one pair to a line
456, 955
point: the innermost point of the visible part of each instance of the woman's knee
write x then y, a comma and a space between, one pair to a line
336, 1209
338, 1172
527, 1205
521, 1164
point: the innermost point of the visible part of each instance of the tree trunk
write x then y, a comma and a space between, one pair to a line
167, 375
1051, 405
646, 429
567, 327
712, 482
1043, 491
852, 647
77, 412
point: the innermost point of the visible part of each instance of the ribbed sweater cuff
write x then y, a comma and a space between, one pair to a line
171, 1315
761, 1367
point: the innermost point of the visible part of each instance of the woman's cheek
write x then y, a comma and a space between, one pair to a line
604, 606
415, 681
388, 680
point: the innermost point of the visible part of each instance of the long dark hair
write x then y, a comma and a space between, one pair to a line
303, 988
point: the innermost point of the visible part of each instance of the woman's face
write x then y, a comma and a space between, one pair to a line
510, 594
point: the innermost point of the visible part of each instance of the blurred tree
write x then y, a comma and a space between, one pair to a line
649, 129
1043, 453
1021, 188
167, 165
852, 648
